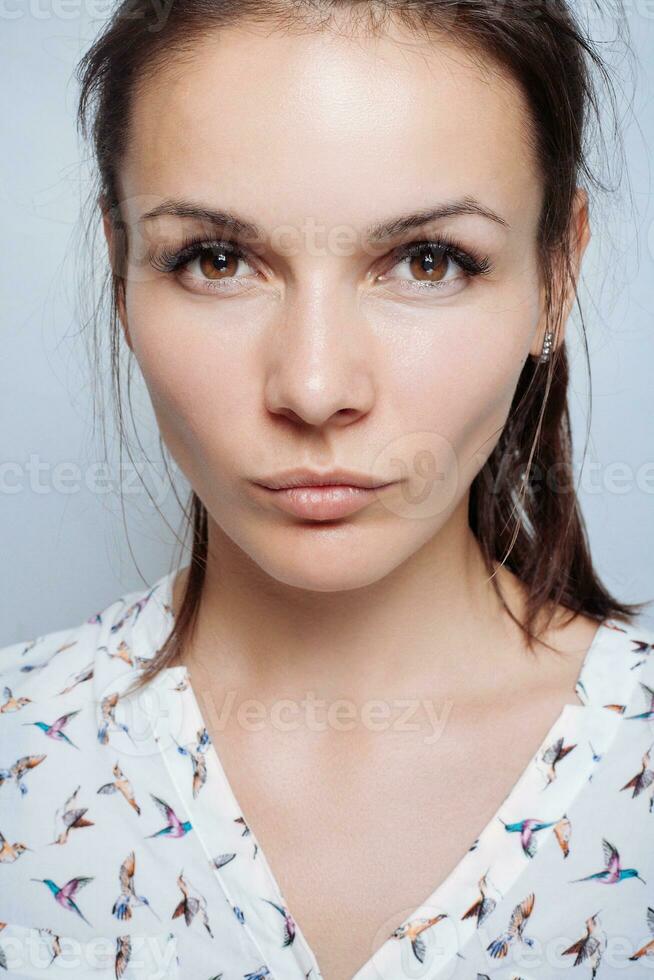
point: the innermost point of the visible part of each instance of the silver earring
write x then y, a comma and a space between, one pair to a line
547, 347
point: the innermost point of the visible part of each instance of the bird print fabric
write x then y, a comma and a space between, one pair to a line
124, 852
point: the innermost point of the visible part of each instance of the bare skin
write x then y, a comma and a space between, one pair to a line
312, 360
360, 823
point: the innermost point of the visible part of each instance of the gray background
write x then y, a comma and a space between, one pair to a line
65, 549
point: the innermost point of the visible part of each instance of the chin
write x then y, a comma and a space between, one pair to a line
327, 560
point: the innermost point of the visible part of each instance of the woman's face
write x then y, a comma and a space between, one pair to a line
322, 346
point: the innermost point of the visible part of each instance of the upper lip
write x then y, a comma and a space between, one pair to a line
314, 478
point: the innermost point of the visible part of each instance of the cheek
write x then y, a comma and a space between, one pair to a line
459, 379
200, 387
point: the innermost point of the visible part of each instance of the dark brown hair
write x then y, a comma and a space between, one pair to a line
517, 516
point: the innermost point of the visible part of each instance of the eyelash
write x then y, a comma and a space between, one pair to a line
473, 263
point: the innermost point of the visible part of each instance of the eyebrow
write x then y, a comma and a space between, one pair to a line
374, 233
404, 222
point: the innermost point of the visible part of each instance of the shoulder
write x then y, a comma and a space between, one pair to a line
52, 661
55, 663
59, 692
619, 668
638, 653
604, 659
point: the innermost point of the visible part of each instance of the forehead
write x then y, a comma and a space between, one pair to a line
337, 127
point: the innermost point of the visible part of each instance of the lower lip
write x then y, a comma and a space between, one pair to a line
323, 503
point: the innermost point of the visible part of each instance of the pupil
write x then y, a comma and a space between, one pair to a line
428, 264
215, 262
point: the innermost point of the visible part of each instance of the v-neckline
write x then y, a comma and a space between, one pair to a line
588, 719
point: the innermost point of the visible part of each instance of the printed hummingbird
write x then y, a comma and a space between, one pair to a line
648, 714
121, 785
581, 687
65, 896
69, 818
484, 905
11, 703
122, 907
613, 872
596, 756
85, 674
123, 955
246, 833
641, 646
527, 829
55, 944
590, 947
22, 766
124, 653
643, 777
499, 947
30, 646
11, 852
174, 827
108, 707
222, 859
198, 760
191, 905
26, 668
648, 948
289, 922
56, 729
563, 832
552, 756
412, 931
135, 609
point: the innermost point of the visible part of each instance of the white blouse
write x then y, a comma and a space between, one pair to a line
124, 851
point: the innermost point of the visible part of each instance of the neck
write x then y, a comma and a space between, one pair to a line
435, 619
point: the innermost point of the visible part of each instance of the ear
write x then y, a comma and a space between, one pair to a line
579, 238
111, 236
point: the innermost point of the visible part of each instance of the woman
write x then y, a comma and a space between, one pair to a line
381, 723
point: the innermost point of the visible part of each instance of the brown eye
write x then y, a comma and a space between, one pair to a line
217, 263
424, 264
434, 267
430, 265
211, 266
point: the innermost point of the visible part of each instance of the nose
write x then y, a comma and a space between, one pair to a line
320, 361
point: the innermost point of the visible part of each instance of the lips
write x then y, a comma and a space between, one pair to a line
314, 478
323, 503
